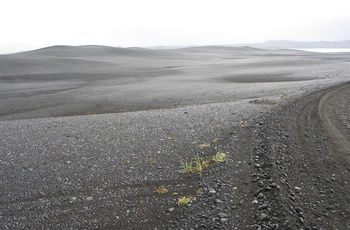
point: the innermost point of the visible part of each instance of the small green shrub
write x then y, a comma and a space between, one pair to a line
219, 157
196, 165
185, 200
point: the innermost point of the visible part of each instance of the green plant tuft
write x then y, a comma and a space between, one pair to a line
185, 200
196, 165
220, 157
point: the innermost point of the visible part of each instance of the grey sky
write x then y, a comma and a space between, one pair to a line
42, 23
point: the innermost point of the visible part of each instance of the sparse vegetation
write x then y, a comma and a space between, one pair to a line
199, 190
197, 165
246, 116
244, 125
185, 200
215, 140
220, 157
161, 190
89, 166
260, 110
204, 145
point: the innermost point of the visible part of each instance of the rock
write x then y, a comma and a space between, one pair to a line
171, 209
222, 215
297, 189
223, 220
264, 206
211, 191
273, 185
260, 196
263, 216
72, 199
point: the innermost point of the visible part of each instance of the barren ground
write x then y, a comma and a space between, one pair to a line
89, 133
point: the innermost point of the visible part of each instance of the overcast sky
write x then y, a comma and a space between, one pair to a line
40, 23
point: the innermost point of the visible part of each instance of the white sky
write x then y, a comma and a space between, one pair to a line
170, 22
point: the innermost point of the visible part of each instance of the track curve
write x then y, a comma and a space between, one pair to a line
329, 118
302, 148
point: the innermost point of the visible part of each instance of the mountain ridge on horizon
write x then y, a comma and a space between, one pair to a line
276, 44
270, 44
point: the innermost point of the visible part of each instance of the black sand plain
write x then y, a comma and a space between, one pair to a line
88, 133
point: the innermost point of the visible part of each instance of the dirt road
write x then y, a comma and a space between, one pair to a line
288, 170
303, 148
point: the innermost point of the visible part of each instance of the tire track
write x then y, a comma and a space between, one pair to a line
302, 148
326, 115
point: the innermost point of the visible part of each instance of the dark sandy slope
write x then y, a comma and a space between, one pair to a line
62, 80
281, 116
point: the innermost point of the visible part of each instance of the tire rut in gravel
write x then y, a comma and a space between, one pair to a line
308, 170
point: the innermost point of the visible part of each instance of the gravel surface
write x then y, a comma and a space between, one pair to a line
285, 171
78, 171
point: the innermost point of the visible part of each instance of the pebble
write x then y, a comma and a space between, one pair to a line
223, 215
212, 191
89, 198
223, 220
273, 185
72, 199
263, 216
260, 196
171, 209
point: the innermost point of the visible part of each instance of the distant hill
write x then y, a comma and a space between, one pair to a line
286, 44
91, 51
276, 44
96, 50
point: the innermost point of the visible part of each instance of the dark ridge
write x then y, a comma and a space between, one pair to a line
90, 50
221, 48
